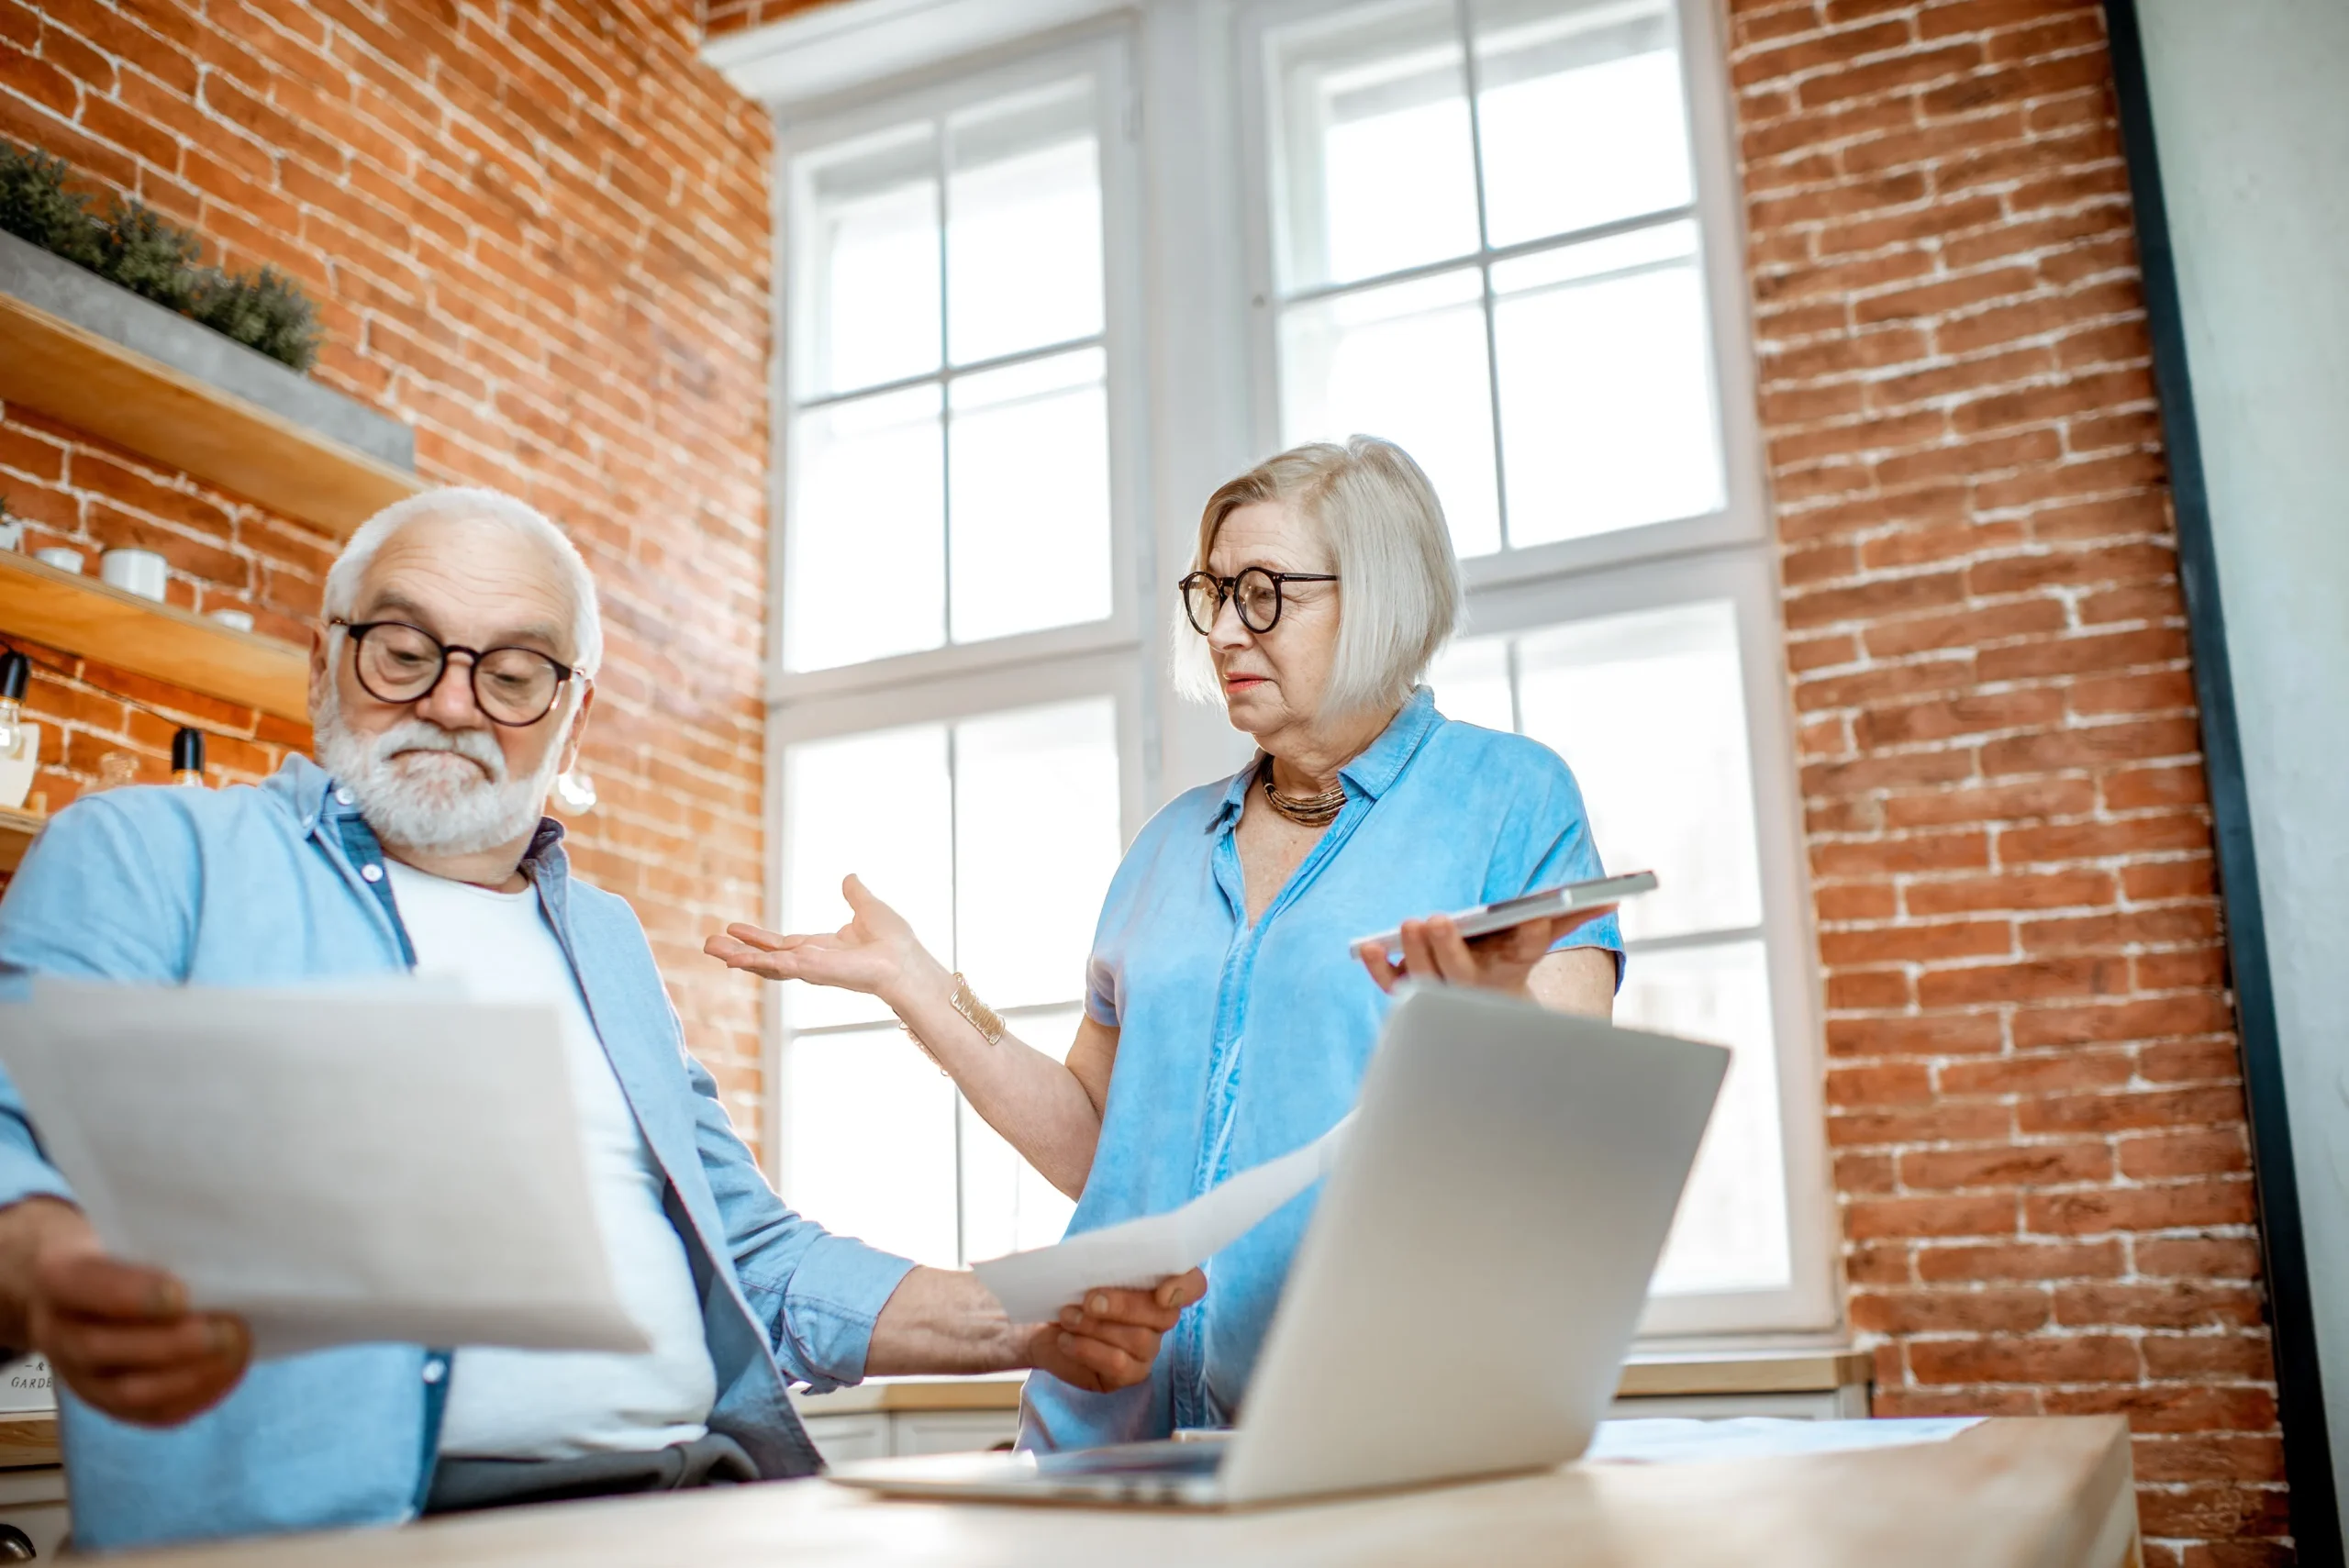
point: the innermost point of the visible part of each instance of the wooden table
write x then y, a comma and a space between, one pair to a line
2007, 1494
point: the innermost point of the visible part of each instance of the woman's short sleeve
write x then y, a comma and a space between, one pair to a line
1546, 842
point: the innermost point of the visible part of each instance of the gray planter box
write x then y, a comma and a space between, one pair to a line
85, 300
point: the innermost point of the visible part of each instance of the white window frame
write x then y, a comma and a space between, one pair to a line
1744, 578
969, 693
1100, 658
1722, 554
1743, 519
1204, 404
811, 127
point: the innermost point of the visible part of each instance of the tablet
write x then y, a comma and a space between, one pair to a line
1484, 919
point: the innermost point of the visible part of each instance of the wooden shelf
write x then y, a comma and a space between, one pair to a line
81, 615
17, 830
27, 1438
95, 382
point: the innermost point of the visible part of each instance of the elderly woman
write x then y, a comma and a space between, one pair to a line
1228, 1019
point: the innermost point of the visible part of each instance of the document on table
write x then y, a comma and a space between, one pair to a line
337, 1165
1677, 1440
1034, 1285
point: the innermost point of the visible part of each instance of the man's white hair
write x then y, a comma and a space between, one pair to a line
1399, 582
488, 505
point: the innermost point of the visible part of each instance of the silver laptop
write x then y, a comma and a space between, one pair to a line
1483, 1246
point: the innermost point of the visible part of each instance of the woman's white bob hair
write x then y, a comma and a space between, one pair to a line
481, 506
1398, 580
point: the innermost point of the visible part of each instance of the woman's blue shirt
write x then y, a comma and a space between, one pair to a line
1239, 1043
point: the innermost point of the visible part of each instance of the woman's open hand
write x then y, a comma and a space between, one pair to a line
1435, 951
876, 952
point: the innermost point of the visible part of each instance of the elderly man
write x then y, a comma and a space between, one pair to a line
450, 683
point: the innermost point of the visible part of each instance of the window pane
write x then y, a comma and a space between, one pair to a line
1377, 166
1606, 389
1007, 1206
1023, 235
1406, 362
1648, 710
1581, 116
872, 262
866, 574
877, 805
1036, 839
1471, 681
868, 1142
1030, 502
1731, 1231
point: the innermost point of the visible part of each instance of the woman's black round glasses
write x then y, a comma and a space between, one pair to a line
399, 663
1256, 593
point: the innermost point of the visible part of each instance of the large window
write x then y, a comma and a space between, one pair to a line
1486, 248
1659, 685
1485, 236
1041, 298
994, 835
950, 510
950, 351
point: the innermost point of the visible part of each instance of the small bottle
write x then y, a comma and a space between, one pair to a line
19, 737
187, 758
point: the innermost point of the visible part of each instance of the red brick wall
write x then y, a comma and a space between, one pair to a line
722, 17
538, 234
2035, 1110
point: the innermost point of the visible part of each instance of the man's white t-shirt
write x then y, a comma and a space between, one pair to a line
508, 1404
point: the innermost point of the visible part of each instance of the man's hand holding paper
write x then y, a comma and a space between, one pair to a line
121, 1335
319, 1167
267, 1174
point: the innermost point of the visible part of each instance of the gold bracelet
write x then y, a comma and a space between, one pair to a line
982, 1018
977, 1013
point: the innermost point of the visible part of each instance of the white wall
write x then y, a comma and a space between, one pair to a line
2251, 113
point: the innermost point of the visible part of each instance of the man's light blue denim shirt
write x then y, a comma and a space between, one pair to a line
1239, 1043
253, 886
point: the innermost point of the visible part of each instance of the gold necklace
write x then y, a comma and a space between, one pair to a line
1317, 811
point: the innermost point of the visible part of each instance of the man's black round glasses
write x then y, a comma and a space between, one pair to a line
397, 663
1256, 593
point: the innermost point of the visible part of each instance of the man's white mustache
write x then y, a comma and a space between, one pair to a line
416, 735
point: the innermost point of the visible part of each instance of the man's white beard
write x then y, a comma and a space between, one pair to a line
439, 805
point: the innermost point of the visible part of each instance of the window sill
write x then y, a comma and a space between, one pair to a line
1705, 1374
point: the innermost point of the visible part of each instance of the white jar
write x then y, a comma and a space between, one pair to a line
139, 571
19, 762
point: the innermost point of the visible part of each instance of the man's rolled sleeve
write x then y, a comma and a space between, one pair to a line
828, 1307
818, 1293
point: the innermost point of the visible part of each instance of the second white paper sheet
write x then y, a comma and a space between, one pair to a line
382, 1164
1034, 1285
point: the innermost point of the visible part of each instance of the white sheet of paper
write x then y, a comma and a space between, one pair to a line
1034, 1285
1676, 1440
337, 1165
